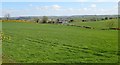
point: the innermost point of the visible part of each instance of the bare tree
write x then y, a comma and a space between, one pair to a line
7, 16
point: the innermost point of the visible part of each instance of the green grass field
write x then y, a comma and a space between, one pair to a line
0, 44
50, 43
97, 24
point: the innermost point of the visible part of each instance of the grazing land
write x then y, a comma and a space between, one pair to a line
54, 43
97, 25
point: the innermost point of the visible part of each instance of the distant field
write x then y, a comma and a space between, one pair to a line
97, 24
51, 43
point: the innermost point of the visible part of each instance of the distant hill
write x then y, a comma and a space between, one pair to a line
64, 17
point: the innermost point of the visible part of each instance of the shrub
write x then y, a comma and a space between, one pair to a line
44, 19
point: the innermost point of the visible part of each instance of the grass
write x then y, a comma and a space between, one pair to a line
97, 24
49, 43
0, 43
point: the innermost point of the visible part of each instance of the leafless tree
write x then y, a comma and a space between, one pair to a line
7, 16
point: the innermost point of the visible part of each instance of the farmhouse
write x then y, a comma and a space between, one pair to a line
51, 21
62, 21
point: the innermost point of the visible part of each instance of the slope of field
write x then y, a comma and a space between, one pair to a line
98, 24
49, 43
0, 43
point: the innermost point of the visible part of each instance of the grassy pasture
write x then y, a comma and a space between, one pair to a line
0, 43
50, 43
97, 24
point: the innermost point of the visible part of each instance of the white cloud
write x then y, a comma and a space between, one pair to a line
41, 8
102, 9
85, 9
107, 0
5, 11
56, 7
81, 0
45, 7
70, 9
60, 0
93, 5
60, 10
52, 7
37, 8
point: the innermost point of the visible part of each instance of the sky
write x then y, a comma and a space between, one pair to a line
60, 0
55, 8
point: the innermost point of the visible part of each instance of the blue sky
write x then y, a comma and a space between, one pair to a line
58, 8
60, 0
23, 5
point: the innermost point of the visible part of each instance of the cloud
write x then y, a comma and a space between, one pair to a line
52, 7
61, 11
80, 0
56, 7
70, 10
44, 7
6, 11
107, 0
85, 9
93, 5
60, 0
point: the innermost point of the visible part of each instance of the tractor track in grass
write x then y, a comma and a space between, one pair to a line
68, 48
44, 42
96, 52
76, 49
41, 41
